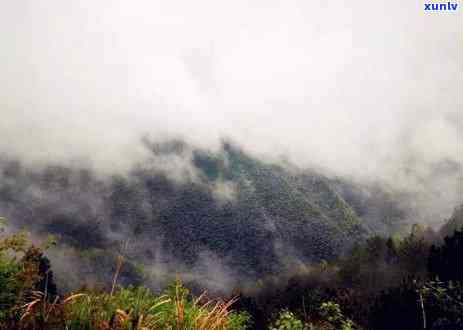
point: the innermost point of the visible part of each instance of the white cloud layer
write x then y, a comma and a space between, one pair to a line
362, 88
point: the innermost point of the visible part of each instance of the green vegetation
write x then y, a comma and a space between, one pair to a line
132, 308
28, 300
267, 206
294, 247
410, 283
327, 317
417, 278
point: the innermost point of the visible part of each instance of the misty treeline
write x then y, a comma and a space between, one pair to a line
29, 299
274, 246
223, 218
409, 282
412, 282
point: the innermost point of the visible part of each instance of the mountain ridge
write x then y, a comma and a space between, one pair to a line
248, 216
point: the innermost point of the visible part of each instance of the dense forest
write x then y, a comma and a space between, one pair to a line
229, 242
412, 282
247, 217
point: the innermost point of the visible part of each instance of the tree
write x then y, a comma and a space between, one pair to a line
444, 261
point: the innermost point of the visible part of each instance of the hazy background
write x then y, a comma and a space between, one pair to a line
366, 89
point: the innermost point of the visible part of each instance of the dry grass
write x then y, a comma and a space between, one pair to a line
129, 308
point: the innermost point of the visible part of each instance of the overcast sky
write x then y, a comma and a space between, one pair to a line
363, 88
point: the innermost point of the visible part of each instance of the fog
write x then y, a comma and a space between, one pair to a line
366, 89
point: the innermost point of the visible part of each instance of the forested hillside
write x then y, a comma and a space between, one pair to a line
416, 278
275, 247
226, 215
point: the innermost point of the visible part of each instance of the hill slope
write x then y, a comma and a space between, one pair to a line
220, 214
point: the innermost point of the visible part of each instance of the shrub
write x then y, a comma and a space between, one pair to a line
286, 320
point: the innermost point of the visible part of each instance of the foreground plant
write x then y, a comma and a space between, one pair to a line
328, 317
132, 308
28, 300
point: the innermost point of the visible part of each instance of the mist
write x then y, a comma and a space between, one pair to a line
365, 90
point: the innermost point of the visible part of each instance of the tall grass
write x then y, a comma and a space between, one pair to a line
23, 306
132, 308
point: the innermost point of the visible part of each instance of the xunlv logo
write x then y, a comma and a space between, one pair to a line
440, 6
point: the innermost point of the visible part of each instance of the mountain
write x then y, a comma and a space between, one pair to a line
223, 214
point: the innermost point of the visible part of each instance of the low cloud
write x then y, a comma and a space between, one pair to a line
368, 90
